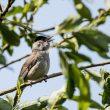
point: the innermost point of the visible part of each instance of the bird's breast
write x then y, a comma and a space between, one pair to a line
40, 68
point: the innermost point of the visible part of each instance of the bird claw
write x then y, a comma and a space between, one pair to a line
30, 82
45, 78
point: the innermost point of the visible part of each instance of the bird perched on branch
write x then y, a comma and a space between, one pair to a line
37, 64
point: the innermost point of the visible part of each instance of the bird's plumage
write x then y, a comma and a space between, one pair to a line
32, 68
37, 64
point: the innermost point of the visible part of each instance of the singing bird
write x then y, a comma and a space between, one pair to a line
37, 64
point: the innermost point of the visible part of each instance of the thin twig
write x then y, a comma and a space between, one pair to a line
10, 2
13, 62
95, 65
28, 28
45, 30
51, 76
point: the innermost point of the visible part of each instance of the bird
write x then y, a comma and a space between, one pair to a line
37, 64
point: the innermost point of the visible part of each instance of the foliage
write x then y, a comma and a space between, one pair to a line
75, 32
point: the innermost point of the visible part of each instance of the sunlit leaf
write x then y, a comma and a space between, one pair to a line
93, 104
69, 43
38, 4
70, 88
26, 8
35, 105
69, 25
94, 76
9, 99
57, 98
14, 11
82, 84
18, 87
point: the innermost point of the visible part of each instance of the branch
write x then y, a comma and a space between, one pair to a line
28, 28
45, 30
29, 84
51, 76
10, 2
95, 65
13, 62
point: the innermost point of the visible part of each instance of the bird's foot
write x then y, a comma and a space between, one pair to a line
30, 82
45, 76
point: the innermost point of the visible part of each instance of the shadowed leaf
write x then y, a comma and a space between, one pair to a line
9, 35
82, 9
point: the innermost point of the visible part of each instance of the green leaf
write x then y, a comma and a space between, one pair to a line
2, 59
94, 40
63, 63
69, 25
70, 88
10, 50
82, 9
77, 57
69, 43
82, 84
9, 35
14, 11
30, 38
26, 8
38, 4
35, 105
4, 105
94, 76
106, 93
9, 99
60, 108
95, 105
57, 98
18, 87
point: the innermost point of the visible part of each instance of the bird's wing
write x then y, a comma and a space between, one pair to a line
30, 62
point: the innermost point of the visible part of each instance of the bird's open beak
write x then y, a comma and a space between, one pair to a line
49, 39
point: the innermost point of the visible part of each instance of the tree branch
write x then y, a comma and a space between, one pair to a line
10, 2
51, 76
28, 84
28, 28
13, 62
45, 30
95, 65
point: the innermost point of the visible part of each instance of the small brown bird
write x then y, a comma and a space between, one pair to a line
37, 64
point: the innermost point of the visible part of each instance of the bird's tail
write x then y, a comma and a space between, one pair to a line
16, 98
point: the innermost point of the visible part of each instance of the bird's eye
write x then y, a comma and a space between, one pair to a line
38, 45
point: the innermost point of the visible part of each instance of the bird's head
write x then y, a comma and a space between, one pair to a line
41, 43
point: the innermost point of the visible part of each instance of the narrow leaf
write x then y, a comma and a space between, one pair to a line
82, 9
